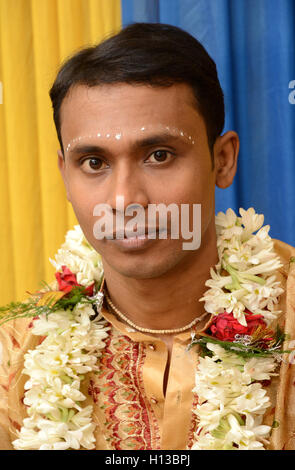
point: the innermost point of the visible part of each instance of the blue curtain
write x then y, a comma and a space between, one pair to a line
253, 45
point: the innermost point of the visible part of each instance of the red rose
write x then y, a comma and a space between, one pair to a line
225, 327
89, 289
68, 280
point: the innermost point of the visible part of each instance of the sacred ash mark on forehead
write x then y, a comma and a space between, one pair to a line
118, 134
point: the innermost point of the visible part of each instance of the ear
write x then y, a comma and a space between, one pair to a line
226, 150
62, 168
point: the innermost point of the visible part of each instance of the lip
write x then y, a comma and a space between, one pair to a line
132, 243
135, 242
141, 233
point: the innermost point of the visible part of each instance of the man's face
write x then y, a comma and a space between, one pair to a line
119, 119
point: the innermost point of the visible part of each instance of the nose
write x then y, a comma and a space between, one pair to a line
127, 187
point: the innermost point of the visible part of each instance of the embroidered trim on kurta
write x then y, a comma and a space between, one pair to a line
119, 391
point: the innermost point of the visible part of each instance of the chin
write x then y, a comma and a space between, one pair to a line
140, 272
148, 267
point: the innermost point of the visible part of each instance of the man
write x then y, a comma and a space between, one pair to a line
140, 117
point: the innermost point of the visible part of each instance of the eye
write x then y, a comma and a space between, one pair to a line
93, 164
160, 156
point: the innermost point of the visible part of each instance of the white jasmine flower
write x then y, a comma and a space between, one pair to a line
217, 301
247, 436
226, 393
77, 254
259, 369
267, 267
227, 225
253, 399
251, 221
238, 313
262, 296
54, 436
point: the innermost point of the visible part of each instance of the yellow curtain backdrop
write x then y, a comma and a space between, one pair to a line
35, 37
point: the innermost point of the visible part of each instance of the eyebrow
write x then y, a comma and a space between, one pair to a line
138, 144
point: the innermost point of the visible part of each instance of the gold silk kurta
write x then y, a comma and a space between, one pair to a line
130, 409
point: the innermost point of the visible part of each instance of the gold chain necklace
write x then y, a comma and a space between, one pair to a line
148, 330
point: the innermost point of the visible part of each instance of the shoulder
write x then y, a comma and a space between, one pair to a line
285, 251
282, 437
16, 339
287, 256
286, 275
16, 335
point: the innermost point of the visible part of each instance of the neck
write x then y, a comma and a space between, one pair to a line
171, 300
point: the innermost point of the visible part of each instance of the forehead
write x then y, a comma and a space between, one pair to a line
125, 107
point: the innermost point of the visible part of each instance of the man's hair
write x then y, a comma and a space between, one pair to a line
146, 53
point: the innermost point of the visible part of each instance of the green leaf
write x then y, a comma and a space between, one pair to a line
222, 429
239, 349
66, 379
29, 308
71, 414
64, 413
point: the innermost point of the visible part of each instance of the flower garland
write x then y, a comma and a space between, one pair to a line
241, 347
71, 347
232, 401
57, 421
